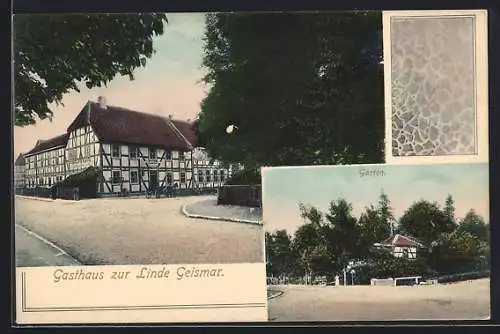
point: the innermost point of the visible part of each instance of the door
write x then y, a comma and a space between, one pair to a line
153, 180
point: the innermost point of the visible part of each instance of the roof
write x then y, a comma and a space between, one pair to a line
120, 125
188, 130
399, 240
44, 145
19, 160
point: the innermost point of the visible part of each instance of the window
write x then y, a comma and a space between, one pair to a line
134, 176
168, 155
117, 177
115, 150
222, 176
200, 176
87, 150
207, 174
169, 178
181, 156
216, 176
132, 152
152, 153
183, 177
50, 181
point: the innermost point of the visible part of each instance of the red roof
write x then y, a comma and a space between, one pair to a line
119, 125
399, 240
43, 145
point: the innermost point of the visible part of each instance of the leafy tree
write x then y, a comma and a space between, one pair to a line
369, 223
308, 238
342, 232
475, 225
294, 84
280, 255
455, 252
54, 53
375, 224
425, 221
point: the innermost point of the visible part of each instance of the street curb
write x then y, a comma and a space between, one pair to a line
43, 199
234, 220
51, 244
275, 295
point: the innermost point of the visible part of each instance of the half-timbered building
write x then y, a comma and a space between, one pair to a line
19, 172
135, 152
401, 246
44, 164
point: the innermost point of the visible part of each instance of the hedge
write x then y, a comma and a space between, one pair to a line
243, 195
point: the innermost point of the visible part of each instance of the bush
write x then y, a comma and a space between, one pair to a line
463, 276
245, 177
250, 196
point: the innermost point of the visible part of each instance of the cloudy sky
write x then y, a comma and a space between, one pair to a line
285, 187
169, 84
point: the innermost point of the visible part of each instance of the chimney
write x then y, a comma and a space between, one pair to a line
170, 117
87, 115
102, 102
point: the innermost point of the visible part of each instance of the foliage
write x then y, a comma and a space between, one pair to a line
328, 241
425, 221
247, 176
455, 252
475, 226
449, 208
375, 224
54, 53
295, 85
278, 251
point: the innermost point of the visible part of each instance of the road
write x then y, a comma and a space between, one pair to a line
33, 251
461, 301
128, 231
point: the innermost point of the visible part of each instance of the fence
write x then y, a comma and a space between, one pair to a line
243, 195
36, 192
382, 281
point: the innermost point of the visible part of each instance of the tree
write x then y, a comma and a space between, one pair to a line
280, 255
425, 221
294, 84
474, 225
54, 53
386, 213
449, 209
455, 252
373, 229
308, 239
342, 233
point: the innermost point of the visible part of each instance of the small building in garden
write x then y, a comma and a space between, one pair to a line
401, 246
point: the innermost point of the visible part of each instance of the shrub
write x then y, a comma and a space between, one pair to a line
245, 177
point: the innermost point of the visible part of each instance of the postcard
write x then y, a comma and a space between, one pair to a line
377, 242
117, 217
436, 86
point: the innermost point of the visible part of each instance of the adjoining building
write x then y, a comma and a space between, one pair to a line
135, 152
401, 246
19, 172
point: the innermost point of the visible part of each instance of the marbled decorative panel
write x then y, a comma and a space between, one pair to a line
432, 85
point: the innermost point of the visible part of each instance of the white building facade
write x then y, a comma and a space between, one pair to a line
136, 152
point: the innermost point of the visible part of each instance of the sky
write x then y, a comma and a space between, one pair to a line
168, 85
284, 188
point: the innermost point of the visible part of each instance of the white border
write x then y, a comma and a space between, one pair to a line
481, 48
